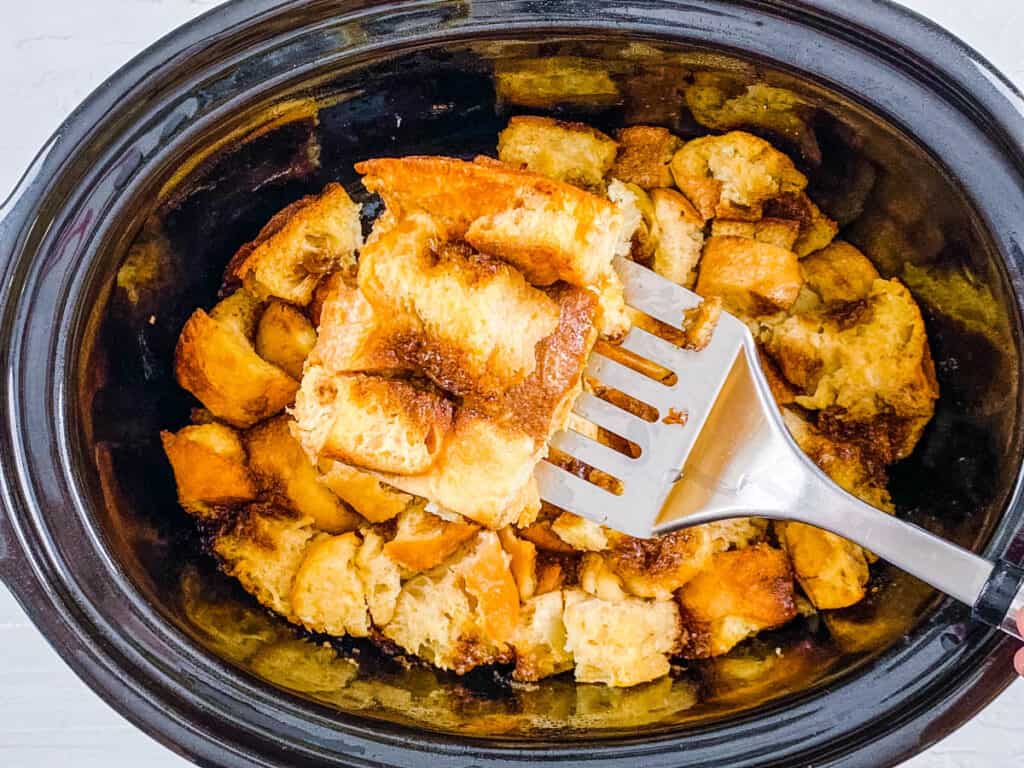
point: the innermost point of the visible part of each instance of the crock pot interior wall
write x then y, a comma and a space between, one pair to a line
442, 100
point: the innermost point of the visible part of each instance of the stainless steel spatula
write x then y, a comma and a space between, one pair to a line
734, 457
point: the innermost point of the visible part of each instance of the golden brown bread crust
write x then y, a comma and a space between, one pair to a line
364, 492
285, 337
219, 366
644, 154
385, 425
574, 153
680, 231
209, 468
816, 229
290, 479
548, 229
424, 541
752, 278
738, 594
732, 175
779, 232
309, 239
839, 273
469, 322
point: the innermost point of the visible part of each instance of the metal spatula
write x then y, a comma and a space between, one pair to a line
733, 457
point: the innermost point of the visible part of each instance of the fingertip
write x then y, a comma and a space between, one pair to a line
1020, 622
1018, 662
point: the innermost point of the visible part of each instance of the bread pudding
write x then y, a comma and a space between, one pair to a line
373, 409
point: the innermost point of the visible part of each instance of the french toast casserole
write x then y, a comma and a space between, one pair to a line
373, 408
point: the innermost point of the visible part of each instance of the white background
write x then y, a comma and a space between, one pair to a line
52, 54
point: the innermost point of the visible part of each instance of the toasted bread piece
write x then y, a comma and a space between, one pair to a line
598, 579
553, 81
644, 154
239, 311
209, 468
285, 338
286, 472
424, 541
832, 571
620, 643
541, 535
364, 492
381, 578
680, 237
353, 337
658, 567
816, 229
863, 361
327, 594
307, 240
750, 277
571, 152
387, 425
484, 473
548, 229
461, 615
638, 218
217, 363
846, 463
539, 639
579, 533
469, 322
732, 175
839, 273
739, 594
522, 560
782, 233
264, 549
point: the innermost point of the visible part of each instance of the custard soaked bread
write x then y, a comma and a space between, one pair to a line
374, 411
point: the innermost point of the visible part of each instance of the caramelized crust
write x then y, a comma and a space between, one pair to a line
469, 322
219, 366
752, 278
364, 492
285, 337
644, 154
424, 541
548, 229
310, 238
209, 468
782, 233
737, 594
839, 273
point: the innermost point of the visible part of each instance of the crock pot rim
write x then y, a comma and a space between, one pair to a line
18, 220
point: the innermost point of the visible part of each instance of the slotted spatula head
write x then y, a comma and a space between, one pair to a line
654, 499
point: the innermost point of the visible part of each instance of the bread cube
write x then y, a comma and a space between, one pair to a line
865, 363
620, 643
285, 338
579, 533
209, 468
424, 541
832, 571
554, 81
738, 594
353, 337
680, 237
548, 229
461, 615
387, 425
364, 492
597, 578
658, 567
327, 594
472, 323
645, 152
539, 639
839, 273
732, 175
217, 363
381, 578
310, 238
750, 277
239, 311
288, 474
816, 229
782, 233
264, 549
571, 152
638, 218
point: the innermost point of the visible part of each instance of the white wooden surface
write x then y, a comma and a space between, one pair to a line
52, 54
